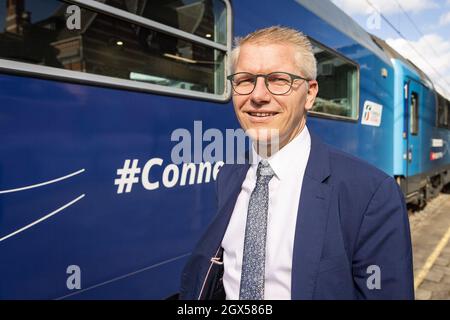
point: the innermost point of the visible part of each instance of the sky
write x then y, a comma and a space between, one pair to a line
424, 26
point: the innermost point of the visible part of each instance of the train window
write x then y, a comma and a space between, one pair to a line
36, 32
442, 112
338, 85
448, 113
414, 114
205, 18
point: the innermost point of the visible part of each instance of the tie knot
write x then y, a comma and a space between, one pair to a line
264, 169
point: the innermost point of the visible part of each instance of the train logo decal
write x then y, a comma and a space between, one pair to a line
438, 144
372, 114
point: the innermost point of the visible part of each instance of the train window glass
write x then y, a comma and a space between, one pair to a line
338, 85
204, 18
414, 114
36, 32
448, 114
442, 112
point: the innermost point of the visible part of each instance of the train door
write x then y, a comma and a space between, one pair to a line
413, 152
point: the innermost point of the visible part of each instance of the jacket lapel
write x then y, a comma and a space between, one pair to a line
311, 221
197, 269
216, 231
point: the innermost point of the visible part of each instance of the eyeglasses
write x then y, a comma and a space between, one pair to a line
278, 83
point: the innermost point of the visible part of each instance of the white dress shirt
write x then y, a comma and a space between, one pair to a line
289, 165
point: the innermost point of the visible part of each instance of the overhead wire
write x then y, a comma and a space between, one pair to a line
407, 41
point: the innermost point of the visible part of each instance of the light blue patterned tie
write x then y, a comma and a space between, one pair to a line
252, 275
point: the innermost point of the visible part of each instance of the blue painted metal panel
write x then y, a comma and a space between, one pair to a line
50, 129
133, 245
422, 161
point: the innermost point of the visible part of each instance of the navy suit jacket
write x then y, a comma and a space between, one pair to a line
351, 217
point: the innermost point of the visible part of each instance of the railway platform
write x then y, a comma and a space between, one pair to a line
430, 232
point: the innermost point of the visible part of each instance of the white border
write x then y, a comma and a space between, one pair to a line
89, 78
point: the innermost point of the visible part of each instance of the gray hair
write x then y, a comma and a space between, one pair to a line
304, 55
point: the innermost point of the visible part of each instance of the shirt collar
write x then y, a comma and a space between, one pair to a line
291, 158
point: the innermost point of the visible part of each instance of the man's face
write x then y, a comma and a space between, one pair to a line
263, 110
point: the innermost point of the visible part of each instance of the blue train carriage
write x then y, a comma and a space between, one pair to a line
421, 135
440, 146
79, 107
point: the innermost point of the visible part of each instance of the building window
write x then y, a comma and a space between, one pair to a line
110, 45
338, 85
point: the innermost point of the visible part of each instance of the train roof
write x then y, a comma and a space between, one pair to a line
334, 16
392, 53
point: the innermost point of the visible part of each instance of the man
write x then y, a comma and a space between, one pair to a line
306, 221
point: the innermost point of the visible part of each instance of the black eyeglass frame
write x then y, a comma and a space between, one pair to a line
265, 76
